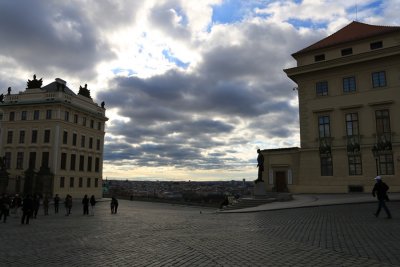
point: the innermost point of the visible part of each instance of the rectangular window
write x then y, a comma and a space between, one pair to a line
91, 142
23, 115
88, 182
20, 160
46, 138
83, 139
349, 84
376, 45
22, 137
36, 115
75, 118
326, 166
80, 181
319, 57
322, 88
65, 137
48, 114
84, 121
62, 182
73, 162
89, 164
32, 160
34, 136
81, 163
63, 161
97, 165
99, 126
66, 116
324, 126
7, 160
71, 182
96, 182
383, 130
12, 116
45, 159
355, 165
347, 51
92, 124
386, 166
74, 137
10, 137
98, 144
378, 79
352, 124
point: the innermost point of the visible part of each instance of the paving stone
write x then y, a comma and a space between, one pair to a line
154, 234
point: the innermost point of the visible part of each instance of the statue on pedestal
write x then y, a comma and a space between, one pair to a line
260, 165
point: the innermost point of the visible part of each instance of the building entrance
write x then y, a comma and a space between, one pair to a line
280, 181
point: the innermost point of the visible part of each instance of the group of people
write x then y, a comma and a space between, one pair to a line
29, 205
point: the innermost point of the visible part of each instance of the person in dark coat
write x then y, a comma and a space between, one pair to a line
380, 191
5, 203
36, 205
92, 204
27, 209
56, 203
46, 203
114, 205
85, 203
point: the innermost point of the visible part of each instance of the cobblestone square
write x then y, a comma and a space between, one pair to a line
154, 234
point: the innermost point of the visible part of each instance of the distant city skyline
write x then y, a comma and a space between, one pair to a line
192, 88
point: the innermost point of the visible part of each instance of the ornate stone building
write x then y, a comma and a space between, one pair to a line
51, 140
349, 100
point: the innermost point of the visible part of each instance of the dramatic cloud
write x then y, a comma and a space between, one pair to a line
192, 88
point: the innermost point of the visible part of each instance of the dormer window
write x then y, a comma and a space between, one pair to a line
347, 51
319, 57
376, 45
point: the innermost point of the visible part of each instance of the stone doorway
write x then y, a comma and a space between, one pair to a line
280, 181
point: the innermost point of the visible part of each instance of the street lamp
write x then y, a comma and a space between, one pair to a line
375, 152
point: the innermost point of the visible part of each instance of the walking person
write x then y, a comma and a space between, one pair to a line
5, 204
27, 209
114, 205
92, 205
46, 203
380, 190
36, 205
85, 203
17, 203
68, 205
56, 203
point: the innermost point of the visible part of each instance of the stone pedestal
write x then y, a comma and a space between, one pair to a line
259, 189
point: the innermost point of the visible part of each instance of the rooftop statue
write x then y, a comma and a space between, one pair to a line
9, 91
103, 104
83, 91
1, 98
34, 83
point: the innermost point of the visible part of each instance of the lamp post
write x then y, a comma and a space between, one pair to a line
376, 155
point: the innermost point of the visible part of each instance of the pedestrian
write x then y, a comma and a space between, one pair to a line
46, 202
17, 203
92, 205
380, 190
36, 205
56, 203
85, 203
68, 205
27, 209
5, 203
114, 205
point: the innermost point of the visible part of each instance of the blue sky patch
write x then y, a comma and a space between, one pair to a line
167, 54
299, 23
117, 71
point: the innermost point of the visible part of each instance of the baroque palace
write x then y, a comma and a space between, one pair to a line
51, 141
349, 99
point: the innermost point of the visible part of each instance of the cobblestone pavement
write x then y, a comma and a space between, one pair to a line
154, 234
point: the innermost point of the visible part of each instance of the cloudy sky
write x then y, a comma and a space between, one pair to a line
192, 88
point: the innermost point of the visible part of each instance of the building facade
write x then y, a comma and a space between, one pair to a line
51, 140
349, 99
